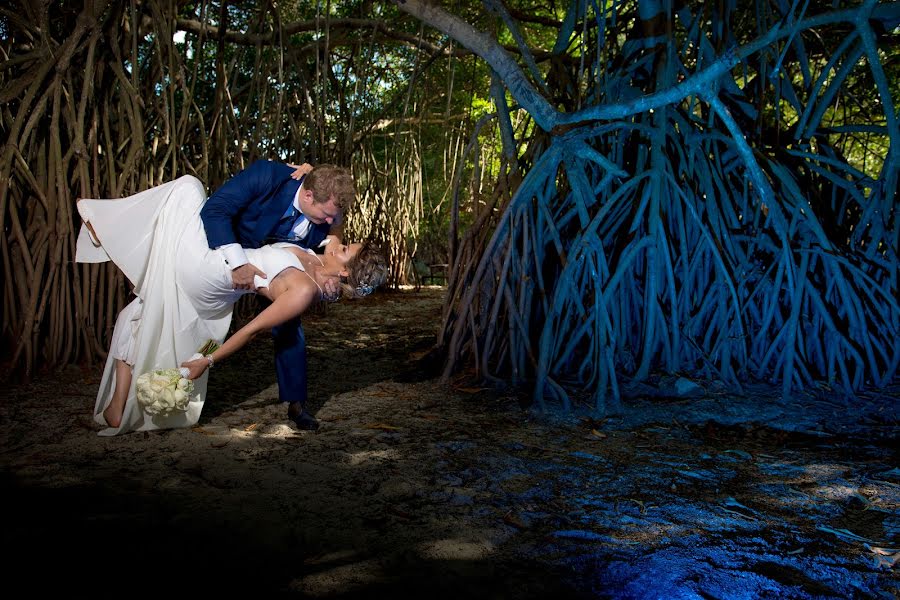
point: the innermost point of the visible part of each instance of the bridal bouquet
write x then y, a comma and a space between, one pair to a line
167, 391
163, 392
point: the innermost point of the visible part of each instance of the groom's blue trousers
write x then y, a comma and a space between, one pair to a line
290, 361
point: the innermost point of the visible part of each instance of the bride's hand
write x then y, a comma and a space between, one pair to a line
196, 367
301, 170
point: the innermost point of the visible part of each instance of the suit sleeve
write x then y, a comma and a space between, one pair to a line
225, 206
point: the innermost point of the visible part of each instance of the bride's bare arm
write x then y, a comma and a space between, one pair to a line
298, 294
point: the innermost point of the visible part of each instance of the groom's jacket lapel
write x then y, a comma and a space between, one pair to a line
281, 196
247, 206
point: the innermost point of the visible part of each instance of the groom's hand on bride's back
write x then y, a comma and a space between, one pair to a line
242, 277
331, 289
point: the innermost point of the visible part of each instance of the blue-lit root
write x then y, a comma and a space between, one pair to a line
708, 251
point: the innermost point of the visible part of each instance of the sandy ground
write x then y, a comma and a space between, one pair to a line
412, 488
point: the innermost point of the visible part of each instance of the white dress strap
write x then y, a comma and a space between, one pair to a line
275, 258
321, 291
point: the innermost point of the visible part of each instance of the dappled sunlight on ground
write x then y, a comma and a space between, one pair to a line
412, 488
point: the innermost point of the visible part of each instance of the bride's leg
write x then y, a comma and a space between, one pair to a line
123, 354
113, 413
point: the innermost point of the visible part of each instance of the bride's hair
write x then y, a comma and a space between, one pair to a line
368, 269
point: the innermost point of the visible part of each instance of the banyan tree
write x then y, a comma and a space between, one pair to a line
102, 99
706, 189
703, 189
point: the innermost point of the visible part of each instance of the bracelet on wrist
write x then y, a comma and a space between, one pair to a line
210, 360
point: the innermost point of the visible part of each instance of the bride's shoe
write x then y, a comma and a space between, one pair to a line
301, 418
93, 235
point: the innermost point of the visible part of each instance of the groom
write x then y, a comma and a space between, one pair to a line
264, 203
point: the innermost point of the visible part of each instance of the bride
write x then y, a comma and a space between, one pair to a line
184, 294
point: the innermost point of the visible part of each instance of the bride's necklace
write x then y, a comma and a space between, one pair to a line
310, 267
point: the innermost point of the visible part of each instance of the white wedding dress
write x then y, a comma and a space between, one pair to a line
183, 289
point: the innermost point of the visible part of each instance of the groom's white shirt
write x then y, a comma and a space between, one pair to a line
234, 253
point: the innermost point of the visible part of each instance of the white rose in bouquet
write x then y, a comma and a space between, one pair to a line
168, 391
163, 392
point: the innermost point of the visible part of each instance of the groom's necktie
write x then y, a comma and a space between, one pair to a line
288, 223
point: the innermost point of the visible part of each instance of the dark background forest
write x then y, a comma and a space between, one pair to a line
614, 190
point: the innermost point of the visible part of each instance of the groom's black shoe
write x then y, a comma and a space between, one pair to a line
301, 418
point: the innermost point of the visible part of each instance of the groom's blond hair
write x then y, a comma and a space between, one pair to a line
330, 181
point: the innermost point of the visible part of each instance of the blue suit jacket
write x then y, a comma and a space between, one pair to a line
248, 206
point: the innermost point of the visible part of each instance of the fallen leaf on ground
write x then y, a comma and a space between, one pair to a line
511, 519
885, 557
204, 431
382, 426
